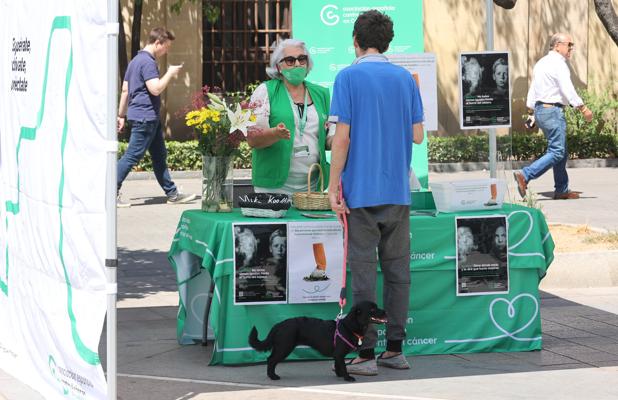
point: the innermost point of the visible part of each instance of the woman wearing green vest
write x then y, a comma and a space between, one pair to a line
290, 132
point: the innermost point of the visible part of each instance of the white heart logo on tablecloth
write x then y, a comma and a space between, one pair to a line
511, 313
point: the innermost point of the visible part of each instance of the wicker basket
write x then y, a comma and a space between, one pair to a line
312, 200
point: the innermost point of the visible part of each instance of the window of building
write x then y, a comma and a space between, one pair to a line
237, 46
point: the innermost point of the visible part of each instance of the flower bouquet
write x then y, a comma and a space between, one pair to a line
220, 128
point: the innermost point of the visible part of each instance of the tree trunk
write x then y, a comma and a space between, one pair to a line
609, 19
136, 27
123, 61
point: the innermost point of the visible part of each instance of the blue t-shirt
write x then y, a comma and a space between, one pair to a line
143, 106
380, 101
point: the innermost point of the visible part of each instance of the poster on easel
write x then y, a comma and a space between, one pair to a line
482, 255
260, 263
315, 276
484, 90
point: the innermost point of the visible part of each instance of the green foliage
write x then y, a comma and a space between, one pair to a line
185, 156
532, 201
596, 140
211, 12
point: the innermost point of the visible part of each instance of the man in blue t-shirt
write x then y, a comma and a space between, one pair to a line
378, 111
140, 104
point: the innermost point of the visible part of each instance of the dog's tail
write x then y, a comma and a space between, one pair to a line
260, 345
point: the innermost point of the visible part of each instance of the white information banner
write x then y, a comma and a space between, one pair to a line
422, 66
52, 197
315, 274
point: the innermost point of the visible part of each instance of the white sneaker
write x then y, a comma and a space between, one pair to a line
120, 203
396, 362
181, 198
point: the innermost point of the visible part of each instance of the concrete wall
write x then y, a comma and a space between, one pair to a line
451, 26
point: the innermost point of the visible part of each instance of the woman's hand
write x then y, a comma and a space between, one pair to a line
281, 132
259, 138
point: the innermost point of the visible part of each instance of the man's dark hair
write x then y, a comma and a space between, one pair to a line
373, 29
160, 34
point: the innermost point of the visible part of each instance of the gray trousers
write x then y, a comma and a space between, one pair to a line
387, 229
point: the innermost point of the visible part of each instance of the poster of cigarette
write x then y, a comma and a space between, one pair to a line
482, 255
422, 66
485, 95
315, 274
260, 263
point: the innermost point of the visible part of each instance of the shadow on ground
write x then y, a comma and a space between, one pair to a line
143, 272
151, 361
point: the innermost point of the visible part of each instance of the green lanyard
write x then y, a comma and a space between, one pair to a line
303, 119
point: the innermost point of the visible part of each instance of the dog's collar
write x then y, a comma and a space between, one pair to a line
346, 341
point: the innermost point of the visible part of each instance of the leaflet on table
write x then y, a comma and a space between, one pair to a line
315, 273
260, 263
482, 255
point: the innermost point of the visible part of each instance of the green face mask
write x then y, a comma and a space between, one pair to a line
295, 75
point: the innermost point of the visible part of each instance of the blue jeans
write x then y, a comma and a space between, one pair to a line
147, 135
553, 124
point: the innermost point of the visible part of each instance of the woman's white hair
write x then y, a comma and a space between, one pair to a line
278, 55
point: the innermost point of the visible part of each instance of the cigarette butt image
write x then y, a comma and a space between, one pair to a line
319, 255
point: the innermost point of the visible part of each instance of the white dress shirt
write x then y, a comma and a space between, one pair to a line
551, 82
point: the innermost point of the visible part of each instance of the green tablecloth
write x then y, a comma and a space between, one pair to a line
439, 322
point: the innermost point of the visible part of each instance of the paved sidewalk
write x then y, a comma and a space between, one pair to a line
579, 359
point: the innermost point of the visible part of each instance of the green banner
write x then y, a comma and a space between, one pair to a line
326, 27
439, 322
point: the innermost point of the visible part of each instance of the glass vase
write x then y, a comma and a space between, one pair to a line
217, 183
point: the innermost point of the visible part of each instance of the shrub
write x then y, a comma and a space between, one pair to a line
185, 156
598, 139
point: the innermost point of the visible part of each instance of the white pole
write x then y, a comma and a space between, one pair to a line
492, 131
111, 260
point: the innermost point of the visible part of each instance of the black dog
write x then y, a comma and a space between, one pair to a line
331, 338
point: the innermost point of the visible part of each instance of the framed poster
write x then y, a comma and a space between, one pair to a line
422, 66
484, 90
260, 263
315, 275
482, 255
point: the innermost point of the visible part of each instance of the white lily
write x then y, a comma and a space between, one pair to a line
216, 103
239, 120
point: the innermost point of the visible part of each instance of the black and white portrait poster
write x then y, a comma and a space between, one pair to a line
482, 255
484, 87
260, 263
315, 276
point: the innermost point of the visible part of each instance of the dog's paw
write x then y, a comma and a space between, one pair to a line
349, 378
274, 377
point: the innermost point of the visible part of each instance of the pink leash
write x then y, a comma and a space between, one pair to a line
344, 222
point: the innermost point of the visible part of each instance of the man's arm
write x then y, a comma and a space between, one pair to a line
122, 106
418, 133
568, 90
156, 86
339, 156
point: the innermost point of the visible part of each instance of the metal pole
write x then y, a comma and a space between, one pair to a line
490, 46
111, 260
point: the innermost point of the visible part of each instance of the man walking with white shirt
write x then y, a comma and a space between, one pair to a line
550, 91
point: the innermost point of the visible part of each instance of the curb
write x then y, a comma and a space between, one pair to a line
479, 166
582, 270
245, 174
